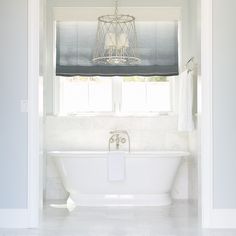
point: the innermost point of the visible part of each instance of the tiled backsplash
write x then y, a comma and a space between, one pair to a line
92, 133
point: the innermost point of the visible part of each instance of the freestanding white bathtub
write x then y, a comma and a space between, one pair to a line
148, 177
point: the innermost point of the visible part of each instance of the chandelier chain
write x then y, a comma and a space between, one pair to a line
116, 9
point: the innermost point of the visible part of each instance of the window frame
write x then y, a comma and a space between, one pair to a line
116, 101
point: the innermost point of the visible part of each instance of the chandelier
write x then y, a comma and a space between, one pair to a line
116, 40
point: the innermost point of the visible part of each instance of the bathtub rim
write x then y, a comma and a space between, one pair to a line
102, 154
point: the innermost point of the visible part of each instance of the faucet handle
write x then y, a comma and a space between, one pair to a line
123, 140
112, 140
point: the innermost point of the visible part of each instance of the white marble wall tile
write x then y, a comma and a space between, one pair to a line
146, 140
193, 165
176, 141
54, 188
180, 189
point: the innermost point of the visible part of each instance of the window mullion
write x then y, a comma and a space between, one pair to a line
120, 94
117, 94
113, 95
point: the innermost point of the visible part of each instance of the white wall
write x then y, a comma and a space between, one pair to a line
224, 109
13, 88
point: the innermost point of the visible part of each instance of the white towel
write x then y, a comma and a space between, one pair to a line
185, 113
116, 166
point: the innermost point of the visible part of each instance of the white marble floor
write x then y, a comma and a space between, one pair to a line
180, 219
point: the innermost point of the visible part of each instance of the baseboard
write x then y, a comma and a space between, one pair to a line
14, 218
222, 219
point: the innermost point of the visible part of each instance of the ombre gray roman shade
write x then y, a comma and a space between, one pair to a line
157, 48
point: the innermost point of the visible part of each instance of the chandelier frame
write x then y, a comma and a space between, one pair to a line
116, 40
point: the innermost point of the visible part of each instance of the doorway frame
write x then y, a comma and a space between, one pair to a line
34, 175
210, 217
206, 162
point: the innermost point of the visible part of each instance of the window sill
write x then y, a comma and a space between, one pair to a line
112, 114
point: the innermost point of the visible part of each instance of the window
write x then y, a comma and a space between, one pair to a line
118, 95
83, 94
150, 94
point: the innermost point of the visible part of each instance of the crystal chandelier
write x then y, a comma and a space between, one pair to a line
116, 40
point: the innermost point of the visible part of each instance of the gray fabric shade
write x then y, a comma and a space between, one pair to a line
157, 49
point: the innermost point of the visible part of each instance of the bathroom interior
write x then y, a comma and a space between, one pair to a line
117, 142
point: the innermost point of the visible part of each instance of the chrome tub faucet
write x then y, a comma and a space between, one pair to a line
119, 137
